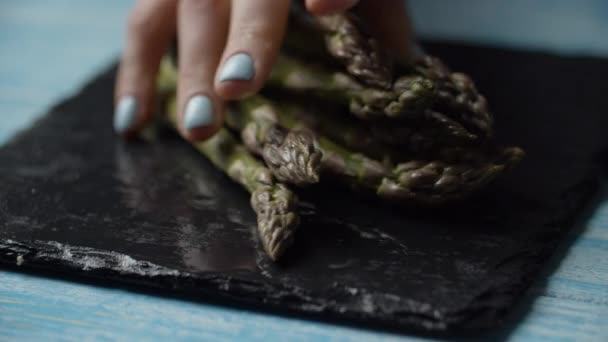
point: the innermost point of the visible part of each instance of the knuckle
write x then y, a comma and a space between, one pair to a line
254, 34
201, 6
145, 18
250, 31
190, 79
138, 23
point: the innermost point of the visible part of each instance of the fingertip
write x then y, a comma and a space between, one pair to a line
201, 118
237, 67
131, 114
150, 28
134, 98
327, 7
125, 114
236, 77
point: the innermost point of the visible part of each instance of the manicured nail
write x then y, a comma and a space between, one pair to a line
125, 114
199, 112
237, 67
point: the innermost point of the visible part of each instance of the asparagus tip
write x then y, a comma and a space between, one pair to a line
511, 156
276, 211
293, 156
436, 182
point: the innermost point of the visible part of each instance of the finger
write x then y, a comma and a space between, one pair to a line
202, 26
325, 7
151, 27
389, 22
256, 32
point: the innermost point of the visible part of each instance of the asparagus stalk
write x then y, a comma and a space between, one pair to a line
452, 174
436, 182
329, 121
291, 155
359, 53
376, 139
446, 177
338, 160
422, 124
348, 42
274, 204
457, 94
408, 97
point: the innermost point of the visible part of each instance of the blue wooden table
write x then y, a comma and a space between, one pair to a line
48, 48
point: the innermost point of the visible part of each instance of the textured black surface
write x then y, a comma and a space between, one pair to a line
155, 214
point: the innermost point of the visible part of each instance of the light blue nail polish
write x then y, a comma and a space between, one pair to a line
199, 112
237, 67
125, 114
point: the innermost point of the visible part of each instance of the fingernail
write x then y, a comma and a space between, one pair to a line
199, 112
125, 114
238, 67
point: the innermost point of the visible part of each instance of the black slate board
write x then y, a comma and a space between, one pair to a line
73, 199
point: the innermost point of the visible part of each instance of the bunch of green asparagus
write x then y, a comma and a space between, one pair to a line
412, 133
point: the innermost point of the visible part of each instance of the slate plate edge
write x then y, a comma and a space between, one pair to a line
86, 262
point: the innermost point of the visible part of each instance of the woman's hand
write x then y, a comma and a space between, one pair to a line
226, 51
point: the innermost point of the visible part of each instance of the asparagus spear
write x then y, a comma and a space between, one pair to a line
379, 139
457, 94
348, 42
425, 125
274, 204
291, 155
435, 182
408, 97
329, 121
422, 180
359, 53
453, 173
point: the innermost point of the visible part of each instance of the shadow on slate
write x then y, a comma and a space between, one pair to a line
155, 214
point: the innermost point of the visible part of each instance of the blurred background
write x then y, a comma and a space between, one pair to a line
48, 48
559, 26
